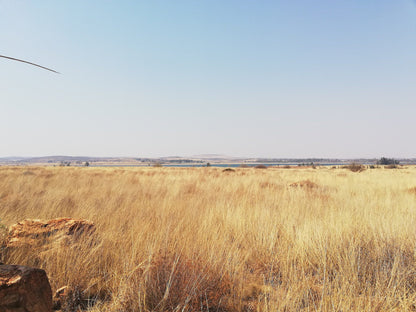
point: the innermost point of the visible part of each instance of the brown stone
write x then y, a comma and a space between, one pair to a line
35, 232
24, 289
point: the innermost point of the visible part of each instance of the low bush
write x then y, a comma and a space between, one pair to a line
355, 167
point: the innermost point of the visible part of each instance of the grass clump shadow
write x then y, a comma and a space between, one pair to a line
228, 170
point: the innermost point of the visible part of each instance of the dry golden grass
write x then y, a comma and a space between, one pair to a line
199, 239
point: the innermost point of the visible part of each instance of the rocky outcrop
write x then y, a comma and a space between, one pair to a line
33, 241
24, 289
36, 233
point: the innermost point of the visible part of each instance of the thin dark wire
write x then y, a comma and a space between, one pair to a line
15, 59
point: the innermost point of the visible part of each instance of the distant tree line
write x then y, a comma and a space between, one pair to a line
160, 160
387, 161
68, 163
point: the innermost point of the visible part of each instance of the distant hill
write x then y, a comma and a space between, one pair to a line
53, 159
196, 159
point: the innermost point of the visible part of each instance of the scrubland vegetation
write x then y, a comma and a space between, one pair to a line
200, 239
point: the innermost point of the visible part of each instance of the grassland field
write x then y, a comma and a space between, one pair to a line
201, 239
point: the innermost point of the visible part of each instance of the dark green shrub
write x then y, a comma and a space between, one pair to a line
387, 161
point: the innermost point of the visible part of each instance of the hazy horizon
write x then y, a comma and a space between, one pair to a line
203, 156
272, 79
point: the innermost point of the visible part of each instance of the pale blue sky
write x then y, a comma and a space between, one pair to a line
241, 78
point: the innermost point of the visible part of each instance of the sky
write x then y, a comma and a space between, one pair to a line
279, 79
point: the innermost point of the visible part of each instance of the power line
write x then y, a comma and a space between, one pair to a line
19, 60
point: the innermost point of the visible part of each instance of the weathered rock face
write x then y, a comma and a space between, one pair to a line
35, 233
24, 289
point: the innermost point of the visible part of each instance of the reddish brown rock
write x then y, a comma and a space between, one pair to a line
24, 289
43, 233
